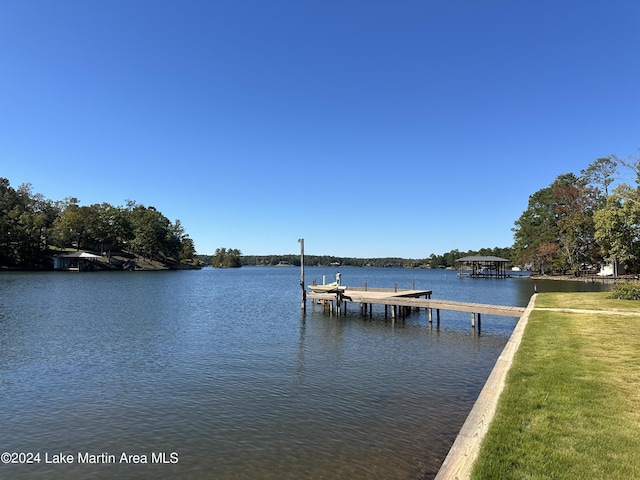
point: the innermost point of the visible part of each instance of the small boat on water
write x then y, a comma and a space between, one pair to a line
328, 288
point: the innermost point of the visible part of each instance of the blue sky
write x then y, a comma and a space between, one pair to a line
370, 128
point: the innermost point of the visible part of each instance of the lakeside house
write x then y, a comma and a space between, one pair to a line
611, 269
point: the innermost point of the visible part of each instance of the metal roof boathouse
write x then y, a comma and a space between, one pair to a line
478, 266
75, 261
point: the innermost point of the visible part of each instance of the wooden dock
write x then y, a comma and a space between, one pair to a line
401, 302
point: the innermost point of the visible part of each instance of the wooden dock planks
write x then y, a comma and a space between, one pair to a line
412, 298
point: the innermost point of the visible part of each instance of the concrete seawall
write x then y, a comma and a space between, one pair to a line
465, 448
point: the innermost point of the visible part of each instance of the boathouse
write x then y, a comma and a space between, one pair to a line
74, 261
478, 266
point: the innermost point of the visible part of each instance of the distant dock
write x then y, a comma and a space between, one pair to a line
400, 302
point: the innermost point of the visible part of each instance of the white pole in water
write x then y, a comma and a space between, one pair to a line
303, 304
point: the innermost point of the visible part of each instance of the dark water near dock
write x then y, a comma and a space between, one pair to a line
221, 373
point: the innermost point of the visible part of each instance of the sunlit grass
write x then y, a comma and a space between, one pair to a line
586, 301
571, 406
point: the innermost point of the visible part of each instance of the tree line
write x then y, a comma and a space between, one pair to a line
223, 258
325, 260
30, 225
579, 221
446, 260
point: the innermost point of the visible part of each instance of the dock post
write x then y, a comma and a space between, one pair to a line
303, 303
473, 320
430, 315
438, 316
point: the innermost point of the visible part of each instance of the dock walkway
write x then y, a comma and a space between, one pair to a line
402, 301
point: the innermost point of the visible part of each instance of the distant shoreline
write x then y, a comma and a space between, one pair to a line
584, 278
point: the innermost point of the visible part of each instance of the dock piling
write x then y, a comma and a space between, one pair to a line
303, 303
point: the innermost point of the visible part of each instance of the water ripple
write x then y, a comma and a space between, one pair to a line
221, 367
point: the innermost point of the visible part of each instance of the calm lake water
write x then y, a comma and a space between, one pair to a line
218, 374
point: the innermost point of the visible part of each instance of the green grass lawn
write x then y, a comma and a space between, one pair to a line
586, 301
571, 405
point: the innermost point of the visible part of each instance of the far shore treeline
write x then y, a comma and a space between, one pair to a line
576, 225
446, 260
34, 228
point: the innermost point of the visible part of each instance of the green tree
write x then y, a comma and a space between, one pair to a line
34, 216
150, 229
556, 230
601, 173
618, 227
120, 226
188, 249
226, 258
175, 240
25, 225
576, 228
536, 229
73, 225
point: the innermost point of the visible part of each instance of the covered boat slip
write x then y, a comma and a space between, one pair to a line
75, 261
478, 266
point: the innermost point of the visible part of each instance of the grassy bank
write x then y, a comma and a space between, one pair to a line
571, 405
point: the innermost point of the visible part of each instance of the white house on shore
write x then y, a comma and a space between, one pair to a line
611, 269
